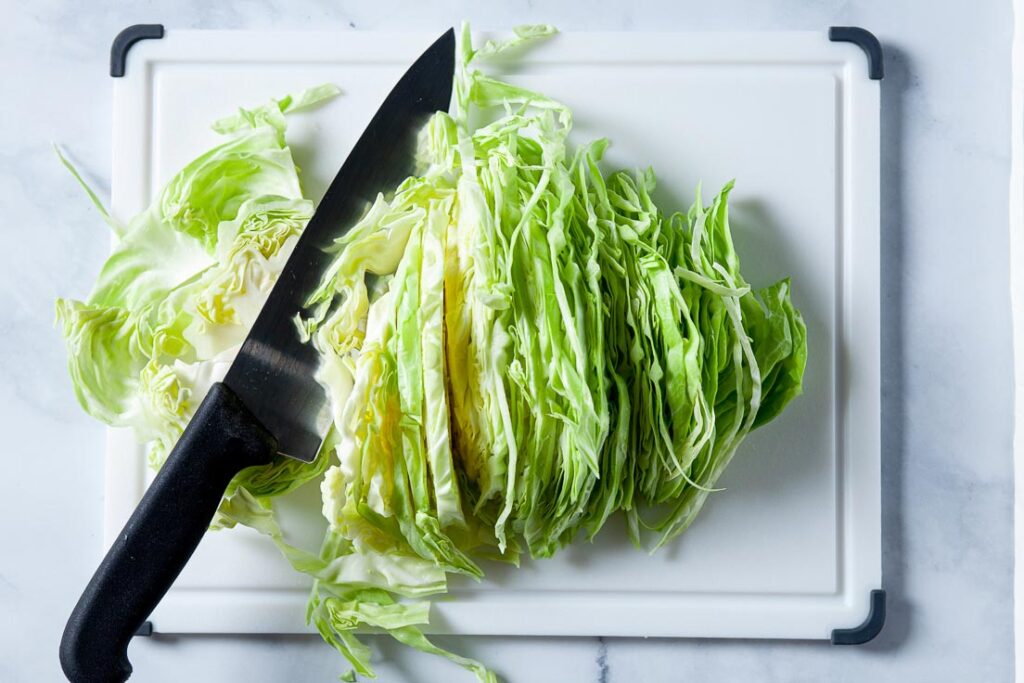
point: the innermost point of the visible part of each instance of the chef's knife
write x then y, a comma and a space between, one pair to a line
268, 404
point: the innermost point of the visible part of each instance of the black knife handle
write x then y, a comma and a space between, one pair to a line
222, 439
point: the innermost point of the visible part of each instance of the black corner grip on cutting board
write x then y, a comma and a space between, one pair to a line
865, 40
221, 440
145, 630
871, 627
124, 40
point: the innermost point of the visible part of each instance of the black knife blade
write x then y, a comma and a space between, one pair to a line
273, 372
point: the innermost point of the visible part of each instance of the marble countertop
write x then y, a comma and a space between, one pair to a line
947, 364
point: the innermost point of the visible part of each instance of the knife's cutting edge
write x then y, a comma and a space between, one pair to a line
274, 372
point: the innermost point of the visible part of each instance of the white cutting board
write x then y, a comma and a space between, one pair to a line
792, 548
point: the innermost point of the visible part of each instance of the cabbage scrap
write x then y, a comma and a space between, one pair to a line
517, 345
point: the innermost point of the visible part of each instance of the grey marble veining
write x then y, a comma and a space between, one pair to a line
947, 359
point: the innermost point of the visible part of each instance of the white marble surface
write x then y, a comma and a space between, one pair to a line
948, 367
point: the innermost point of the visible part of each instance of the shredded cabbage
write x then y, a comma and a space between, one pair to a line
516, 344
